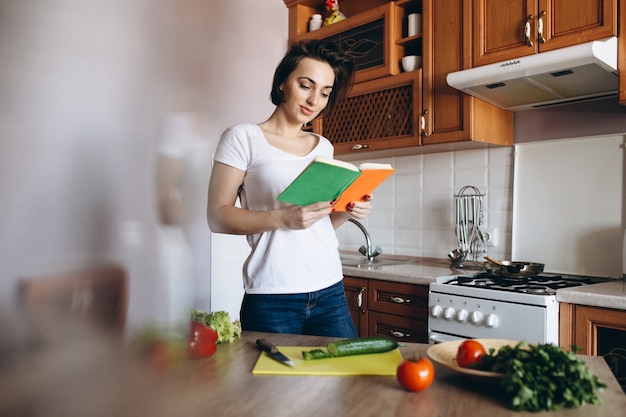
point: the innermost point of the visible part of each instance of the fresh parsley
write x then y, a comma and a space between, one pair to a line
542, 377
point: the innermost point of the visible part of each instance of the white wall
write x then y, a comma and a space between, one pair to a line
85, 86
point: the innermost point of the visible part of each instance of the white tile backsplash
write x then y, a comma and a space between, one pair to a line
413, 211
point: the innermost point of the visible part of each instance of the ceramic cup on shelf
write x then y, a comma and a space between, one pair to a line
315, 23
411, 62
414, 24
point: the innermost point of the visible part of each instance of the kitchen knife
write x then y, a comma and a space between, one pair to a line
273, 352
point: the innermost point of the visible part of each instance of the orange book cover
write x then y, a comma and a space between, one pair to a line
372, 175
332, 179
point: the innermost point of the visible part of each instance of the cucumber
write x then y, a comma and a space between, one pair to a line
315, 354
361, 346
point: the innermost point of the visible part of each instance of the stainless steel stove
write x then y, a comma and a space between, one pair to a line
481, 305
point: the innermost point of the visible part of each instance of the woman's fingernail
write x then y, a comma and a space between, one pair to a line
368, 197
350, 205
332, 203
332, 210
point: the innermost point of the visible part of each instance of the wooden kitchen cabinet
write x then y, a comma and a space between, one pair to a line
398, 310
508, 29
356, 296
455, 120
369, 33
389, 309
414, 112
595, 330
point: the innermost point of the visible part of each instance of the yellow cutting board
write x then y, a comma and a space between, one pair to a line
370, 364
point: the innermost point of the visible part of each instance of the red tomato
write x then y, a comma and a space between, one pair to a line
416, 374
470, 352
202, 340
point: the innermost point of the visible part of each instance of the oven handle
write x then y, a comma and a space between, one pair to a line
435, 338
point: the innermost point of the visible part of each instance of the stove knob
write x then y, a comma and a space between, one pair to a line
476, 317
436, 311
462, 315
492, 321
449, 313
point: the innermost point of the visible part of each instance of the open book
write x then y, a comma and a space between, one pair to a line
334, 180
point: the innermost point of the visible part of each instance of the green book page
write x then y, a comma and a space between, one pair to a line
318, 182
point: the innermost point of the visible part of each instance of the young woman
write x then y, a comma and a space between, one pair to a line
293, 275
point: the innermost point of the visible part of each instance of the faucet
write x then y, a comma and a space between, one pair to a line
366, 250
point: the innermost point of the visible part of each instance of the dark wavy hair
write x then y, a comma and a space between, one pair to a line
324, 51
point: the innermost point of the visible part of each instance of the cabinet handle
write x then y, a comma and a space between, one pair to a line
527, 40
423, 124
359, 298
540, 26
359, 146
398, 334
400, 300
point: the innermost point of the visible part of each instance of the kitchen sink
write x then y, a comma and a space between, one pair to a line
360, 261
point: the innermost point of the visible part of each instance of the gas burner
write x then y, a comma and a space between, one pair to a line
542, 284
537, 290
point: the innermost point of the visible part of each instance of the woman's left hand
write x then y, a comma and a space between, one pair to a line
360, 209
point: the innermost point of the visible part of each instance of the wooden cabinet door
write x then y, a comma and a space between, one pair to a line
570, 22
500, 27
508, 29
589, 320
356, 295
450, 116
378, 115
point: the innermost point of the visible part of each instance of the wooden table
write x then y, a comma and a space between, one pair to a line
77, 373
230, 389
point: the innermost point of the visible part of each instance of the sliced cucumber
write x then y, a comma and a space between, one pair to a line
315, 354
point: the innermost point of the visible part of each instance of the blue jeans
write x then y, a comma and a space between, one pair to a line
319, 313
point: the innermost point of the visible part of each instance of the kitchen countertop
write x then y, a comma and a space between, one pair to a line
227, 387
611, 294
422, 272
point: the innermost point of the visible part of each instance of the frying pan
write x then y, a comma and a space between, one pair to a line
513, 269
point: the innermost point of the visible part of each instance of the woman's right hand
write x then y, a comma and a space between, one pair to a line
303, 217
224, 217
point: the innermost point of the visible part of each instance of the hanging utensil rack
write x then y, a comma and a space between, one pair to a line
468, 220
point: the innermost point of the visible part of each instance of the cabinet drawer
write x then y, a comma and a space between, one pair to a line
402, 329
398, 298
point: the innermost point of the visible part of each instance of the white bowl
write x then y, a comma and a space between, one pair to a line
411, 62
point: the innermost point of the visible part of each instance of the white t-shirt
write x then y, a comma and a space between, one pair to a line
281, 261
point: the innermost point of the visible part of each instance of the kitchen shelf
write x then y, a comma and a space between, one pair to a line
408, 40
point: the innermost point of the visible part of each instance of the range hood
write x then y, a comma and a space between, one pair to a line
565, 75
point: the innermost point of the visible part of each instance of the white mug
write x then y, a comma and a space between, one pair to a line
414, 24
411, 62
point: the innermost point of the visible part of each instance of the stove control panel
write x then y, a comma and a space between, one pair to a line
469, 317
